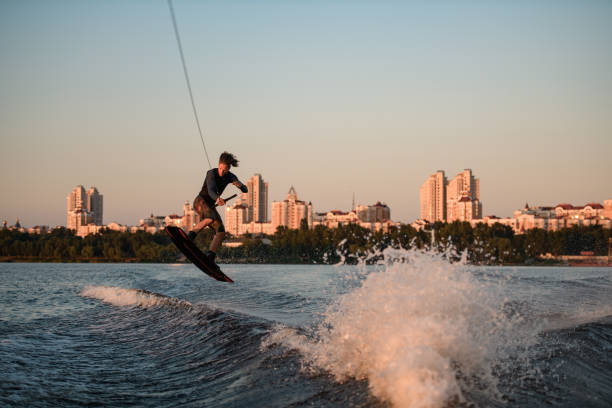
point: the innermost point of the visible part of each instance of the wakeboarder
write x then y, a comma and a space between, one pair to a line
210, 197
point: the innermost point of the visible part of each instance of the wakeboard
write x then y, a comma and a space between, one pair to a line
193, 253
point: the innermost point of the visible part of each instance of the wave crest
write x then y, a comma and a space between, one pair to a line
118, 296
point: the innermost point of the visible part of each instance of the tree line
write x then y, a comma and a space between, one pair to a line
482, 244
63, 245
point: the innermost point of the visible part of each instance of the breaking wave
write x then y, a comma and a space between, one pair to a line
421, 330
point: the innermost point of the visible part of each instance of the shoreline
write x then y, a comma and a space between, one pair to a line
11, 259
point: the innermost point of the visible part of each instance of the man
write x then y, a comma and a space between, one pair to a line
204, 204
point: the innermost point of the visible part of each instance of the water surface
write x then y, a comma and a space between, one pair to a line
426, 333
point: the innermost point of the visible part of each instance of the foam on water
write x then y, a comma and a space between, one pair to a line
421, 331
130, 297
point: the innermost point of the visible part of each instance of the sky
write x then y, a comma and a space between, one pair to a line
334, 98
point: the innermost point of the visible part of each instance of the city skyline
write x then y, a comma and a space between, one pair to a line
440, 201
372, 101
245, 199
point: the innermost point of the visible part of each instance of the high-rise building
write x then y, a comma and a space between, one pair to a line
463, 197
458, 199
77, 213
433, 198
291, 212
84, 208
95, 205
76, 199
256, 199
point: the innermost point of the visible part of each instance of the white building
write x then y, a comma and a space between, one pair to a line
607, 212
190, 216
77, 212
465, 209
337, 218
458, 199
114, 226
157, 221
552, 218
463, 197
84, 208
433, 198
378, 212
84, 230
258, 228
235, 217
290, 212
95, 202
236, 222
250, 214
490, 220
590, 210
38, 229
419, 224
256, 199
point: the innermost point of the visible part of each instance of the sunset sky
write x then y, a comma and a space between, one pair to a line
332, 97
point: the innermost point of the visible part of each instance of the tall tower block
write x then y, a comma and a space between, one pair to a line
257, 199
433, 197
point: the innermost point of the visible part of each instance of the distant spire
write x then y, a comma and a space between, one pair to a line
526, 206
292, 195
353, 207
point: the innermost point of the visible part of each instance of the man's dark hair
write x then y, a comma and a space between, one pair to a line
229, 159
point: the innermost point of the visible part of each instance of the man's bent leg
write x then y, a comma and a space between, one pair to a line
202, 224
196, 230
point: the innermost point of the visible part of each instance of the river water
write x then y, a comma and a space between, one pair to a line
420, 332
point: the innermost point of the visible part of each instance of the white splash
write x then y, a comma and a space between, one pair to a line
130, 297
420, 330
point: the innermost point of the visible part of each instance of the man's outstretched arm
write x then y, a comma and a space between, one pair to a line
241, 186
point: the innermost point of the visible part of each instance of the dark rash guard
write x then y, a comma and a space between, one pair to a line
214, 184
